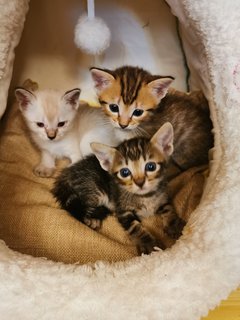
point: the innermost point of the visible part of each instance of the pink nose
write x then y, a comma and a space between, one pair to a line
51, 134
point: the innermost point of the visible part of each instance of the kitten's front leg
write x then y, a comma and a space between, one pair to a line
172, 223
46, 167
145, 242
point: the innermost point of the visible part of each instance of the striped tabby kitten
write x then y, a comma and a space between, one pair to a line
138, 103
128, 180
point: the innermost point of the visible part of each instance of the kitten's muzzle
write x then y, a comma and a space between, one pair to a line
139, 182
51, 134
51, 138
123, 126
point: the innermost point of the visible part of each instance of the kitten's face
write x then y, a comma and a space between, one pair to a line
137, 164
139, 174
129, 94
48, 114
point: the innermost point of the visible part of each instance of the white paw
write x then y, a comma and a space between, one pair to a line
42, 171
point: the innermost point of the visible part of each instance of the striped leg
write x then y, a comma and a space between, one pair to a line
94, 219
172, 223
145, 242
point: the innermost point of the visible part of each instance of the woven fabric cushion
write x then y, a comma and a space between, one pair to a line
31, 221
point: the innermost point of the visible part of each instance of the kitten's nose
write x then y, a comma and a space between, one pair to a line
123, 126
139, 182
51, 134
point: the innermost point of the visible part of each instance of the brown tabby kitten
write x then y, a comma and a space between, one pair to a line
128, 180
138, 103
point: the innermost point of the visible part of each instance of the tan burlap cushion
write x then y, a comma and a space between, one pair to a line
31, 221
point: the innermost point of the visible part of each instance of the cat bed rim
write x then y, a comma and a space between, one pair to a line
100, 280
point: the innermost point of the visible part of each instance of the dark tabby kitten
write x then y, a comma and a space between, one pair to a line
138, 103
128, 180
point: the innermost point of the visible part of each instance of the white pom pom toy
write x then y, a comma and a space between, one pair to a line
92, 35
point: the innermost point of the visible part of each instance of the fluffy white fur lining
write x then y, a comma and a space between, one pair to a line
182, 283
12, 15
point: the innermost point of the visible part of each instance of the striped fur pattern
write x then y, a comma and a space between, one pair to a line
128, 180
138, 103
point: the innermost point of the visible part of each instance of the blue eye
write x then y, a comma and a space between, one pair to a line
125, 172
137, 112
114, 108
150, 166
40, 124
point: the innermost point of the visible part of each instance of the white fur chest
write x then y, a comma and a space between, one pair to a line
66, 147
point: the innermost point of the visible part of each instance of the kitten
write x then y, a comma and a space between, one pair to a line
128, 180
138, 103
60, 128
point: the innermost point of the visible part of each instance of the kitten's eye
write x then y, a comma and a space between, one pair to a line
61, 123
137, 112
114, 108
125, 172
150, 166
40, 124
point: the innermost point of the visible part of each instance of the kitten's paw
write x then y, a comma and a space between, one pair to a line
42, 171
94, 224
150, 246
175, 227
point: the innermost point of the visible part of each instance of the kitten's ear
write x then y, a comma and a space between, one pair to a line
105, 155
102, 78
72, 97
159, 87
163, 139
24, 98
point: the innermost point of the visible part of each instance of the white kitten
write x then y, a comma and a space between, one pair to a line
60, 128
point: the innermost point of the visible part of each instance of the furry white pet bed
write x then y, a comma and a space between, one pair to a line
202, 268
